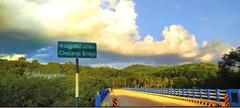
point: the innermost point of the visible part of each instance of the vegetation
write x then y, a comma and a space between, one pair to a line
230, 69
25, 83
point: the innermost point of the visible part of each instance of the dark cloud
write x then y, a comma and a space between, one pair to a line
110, 59
21, 42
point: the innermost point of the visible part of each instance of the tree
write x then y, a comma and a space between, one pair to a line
229, 69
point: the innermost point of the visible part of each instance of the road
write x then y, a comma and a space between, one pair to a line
136, 98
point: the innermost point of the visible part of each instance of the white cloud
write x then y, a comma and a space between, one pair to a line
212, 51
207, 57
39, 56
176, 40
44, 49
204, 43
12, 57
109, 23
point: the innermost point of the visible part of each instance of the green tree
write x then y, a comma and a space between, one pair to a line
230, 69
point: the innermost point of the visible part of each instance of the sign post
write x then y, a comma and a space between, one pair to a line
77, 50
77, 85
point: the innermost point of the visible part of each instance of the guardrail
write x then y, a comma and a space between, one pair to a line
100, 96
209, 97
207, 94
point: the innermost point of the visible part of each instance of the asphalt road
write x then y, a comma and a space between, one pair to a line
136, 98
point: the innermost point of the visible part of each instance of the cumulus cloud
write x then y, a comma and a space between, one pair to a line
11, 57
213, 50
109, 23
207, 57
176, 40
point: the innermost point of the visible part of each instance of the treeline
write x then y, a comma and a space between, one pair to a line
25, 83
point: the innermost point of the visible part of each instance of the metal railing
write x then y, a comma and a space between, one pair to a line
100, 96
209, 94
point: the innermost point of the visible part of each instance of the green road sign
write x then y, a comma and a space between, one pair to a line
77, 50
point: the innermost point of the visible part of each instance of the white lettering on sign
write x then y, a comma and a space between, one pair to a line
77, 49
82, 53
85, 53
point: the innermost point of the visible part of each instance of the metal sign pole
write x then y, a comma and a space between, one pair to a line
77, 85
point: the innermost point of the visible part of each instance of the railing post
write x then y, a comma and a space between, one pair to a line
97, 100
200, 93
208, 94
170, 91
178, 92
217, 95
174, 91
182, 92
193, 92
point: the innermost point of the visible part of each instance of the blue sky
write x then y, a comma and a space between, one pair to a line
206, 19
152, 32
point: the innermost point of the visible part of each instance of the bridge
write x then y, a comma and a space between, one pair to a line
167, 97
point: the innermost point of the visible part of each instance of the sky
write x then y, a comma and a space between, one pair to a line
151, 32
206, 19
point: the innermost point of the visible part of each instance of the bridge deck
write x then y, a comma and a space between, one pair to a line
136, 98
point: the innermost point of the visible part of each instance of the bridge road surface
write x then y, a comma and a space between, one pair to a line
137, 98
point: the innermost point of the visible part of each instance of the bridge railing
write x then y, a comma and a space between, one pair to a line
209, 94
100, 96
